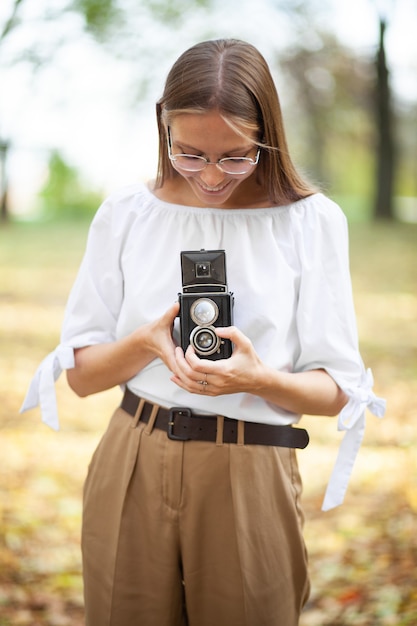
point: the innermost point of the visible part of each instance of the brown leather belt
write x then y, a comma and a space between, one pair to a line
185, 424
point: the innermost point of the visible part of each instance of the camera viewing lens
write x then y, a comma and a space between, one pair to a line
202, 270
204, 340
204, 311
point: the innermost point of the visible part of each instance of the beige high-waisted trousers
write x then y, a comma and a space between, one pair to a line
191, 533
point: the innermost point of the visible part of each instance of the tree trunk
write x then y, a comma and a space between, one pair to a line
4, 209
385, 158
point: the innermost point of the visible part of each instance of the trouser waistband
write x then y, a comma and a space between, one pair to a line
183, 424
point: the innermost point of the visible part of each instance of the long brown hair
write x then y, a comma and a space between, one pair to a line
233, 78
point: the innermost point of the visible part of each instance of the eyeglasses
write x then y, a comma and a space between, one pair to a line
228, 165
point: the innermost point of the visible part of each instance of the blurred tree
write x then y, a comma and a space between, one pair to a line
385, 149
107, 21
331, 85
346, 99
4, 147
8, 25
96, 13
337, 90
65, 194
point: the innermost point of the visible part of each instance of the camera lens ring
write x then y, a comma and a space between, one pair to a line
204, 340
204, 311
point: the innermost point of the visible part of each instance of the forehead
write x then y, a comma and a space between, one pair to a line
209, 130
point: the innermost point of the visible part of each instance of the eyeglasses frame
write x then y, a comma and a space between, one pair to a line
173, 158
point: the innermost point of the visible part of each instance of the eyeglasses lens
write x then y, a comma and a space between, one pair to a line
228, 166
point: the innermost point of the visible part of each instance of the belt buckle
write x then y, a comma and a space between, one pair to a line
177, 411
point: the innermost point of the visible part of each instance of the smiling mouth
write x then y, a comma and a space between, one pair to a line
213, 189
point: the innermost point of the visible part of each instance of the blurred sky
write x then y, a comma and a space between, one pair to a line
83, 101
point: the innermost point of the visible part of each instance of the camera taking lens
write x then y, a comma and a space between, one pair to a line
205, 340
205, 303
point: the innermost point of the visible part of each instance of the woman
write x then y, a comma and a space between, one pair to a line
192, 514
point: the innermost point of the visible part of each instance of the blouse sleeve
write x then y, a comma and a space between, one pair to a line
91, 313
326, 325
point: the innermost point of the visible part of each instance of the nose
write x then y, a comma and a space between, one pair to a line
212, 175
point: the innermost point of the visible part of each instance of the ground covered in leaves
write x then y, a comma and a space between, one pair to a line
363, 555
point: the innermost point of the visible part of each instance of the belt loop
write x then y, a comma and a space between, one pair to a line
138, 413
240, 433
219, 433
152, 418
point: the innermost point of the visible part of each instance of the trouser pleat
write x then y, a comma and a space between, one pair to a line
216, 525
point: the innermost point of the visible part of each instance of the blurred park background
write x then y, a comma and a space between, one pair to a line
78, 83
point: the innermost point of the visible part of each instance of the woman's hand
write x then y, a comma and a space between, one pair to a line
158, 340
213, 378
313, 392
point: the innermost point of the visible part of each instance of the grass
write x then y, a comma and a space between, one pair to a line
363, 554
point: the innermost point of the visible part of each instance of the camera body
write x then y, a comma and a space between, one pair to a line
205, 303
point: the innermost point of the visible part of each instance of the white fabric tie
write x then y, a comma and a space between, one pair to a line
42, 388
352, 420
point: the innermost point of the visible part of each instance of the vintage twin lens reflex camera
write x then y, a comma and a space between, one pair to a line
205, 303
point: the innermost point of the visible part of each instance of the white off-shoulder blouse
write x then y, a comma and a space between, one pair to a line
288, 269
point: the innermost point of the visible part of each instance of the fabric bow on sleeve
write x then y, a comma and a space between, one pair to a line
42, 388
352, 420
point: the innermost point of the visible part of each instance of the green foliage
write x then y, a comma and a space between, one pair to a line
11, 21
100, 15
171, 11
65, 195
